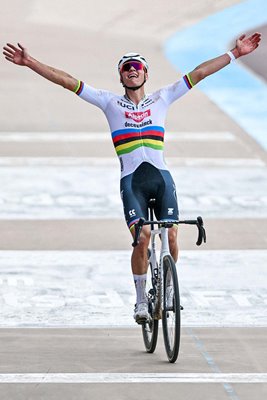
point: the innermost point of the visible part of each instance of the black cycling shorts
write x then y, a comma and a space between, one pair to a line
145, 183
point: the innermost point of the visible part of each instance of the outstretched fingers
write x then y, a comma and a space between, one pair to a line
256, 34
8, 58
248, 44
255, 38
242, 37
15, 54
9, 54
8, 50
11, 46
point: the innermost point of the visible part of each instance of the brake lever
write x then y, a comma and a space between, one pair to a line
201, 232
138, 228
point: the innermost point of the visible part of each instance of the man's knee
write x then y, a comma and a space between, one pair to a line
173, 233
173, 243
143, 239
173, 240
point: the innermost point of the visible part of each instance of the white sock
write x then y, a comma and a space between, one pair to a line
140, 287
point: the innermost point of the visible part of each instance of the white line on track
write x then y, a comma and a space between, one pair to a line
113, 161
134, 378
105, 136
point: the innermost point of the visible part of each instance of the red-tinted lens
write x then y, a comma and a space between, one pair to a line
135, 64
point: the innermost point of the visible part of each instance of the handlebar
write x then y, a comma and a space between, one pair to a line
168, 224
200, 226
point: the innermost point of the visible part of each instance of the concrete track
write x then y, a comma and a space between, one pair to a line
55, 186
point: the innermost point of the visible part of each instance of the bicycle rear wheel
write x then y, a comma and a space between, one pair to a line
171, 319
150, 335
150, 328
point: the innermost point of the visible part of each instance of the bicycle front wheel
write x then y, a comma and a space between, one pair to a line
171, 319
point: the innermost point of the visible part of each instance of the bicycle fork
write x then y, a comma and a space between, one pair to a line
158, 277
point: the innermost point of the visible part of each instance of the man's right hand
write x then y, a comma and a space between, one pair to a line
20, 56
17, 55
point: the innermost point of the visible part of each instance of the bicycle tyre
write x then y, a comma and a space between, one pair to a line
150, 335
171, 318
150, 329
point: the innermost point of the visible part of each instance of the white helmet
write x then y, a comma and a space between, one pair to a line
132, 57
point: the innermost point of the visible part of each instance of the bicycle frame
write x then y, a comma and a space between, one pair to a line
163, 303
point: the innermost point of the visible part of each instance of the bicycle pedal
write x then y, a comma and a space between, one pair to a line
142, 321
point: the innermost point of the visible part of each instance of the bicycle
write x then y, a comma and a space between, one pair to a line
163, 295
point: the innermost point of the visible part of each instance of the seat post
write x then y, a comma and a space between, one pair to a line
151, 205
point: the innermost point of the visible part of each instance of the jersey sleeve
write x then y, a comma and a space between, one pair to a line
176, 90
97, 97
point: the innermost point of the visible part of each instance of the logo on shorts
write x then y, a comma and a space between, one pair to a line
170, 211
132, 213
138, 116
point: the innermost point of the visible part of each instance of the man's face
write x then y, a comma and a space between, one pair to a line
133, 73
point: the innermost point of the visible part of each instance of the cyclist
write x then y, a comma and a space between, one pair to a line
136, 123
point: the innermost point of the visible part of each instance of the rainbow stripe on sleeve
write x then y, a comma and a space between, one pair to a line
188, 81
127, 140
79, 88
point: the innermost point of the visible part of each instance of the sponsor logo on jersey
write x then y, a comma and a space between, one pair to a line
132, 125
138, 116
147, 102
125, 105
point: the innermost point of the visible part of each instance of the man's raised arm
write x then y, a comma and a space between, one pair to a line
20, 56
244, 46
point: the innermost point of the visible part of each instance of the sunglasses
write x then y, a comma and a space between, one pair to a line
138, 66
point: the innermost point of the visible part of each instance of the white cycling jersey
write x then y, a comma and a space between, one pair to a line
137, 130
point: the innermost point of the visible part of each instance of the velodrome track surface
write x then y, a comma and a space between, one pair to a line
66, 290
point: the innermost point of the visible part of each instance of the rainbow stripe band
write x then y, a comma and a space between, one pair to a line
127, 140
188, 81
131, 225
79, 88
